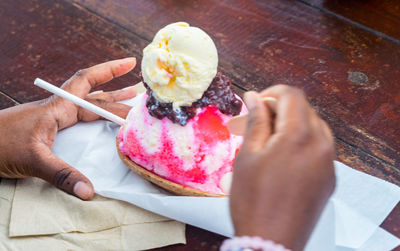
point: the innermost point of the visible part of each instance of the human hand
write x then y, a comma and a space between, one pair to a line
283, 174
27, 131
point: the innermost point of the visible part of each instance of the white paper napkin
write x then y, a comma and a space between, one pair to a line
72, 224
350, 221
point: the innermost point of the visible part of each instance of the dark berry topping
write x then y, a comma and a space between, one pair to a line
160, 110
219, 94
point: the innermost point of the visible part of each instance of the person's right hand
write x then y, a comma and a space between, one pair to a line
27, 131
283, 174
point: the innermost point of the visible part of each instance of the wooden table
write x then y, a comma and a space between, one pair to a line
344, 54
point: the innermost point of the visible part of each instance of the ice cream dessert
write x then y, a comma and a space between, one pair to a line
176, 133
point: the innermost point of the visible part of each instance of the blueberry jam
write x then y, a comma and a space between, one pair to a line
218, 94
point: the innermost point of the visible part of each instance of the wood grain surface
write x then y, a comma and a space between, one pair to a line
380, 16
345, 60
54, 39
339, 66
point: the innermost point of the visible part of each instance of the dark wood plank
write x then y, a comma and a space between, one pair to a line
392, 222
54, 39
363, 161
379, 15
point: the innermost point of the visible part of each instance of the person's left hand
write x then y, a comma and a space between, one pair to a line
27, 131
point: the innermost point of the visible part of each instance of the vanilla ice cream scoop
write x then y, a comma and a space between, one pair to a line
179, 64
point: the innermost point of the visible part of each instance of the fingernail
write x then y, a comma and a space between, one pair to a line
96, 92
82, 190
128, 88
250, 99
129, 59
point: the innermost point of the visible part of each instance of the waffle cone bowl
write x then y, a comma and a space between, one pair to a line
161, 182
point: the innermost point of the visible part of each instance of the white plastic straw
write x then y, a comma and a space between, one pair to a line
78, 101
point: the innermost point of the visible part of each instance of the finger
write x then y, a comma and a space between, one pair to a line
83, 80
114, 96
118, 109
60, 174
327, 133
258, 125
270, 102
329, 137
292, 109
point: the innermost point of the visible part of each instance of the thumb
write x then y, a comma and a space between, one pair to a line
258, 127
63, 176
